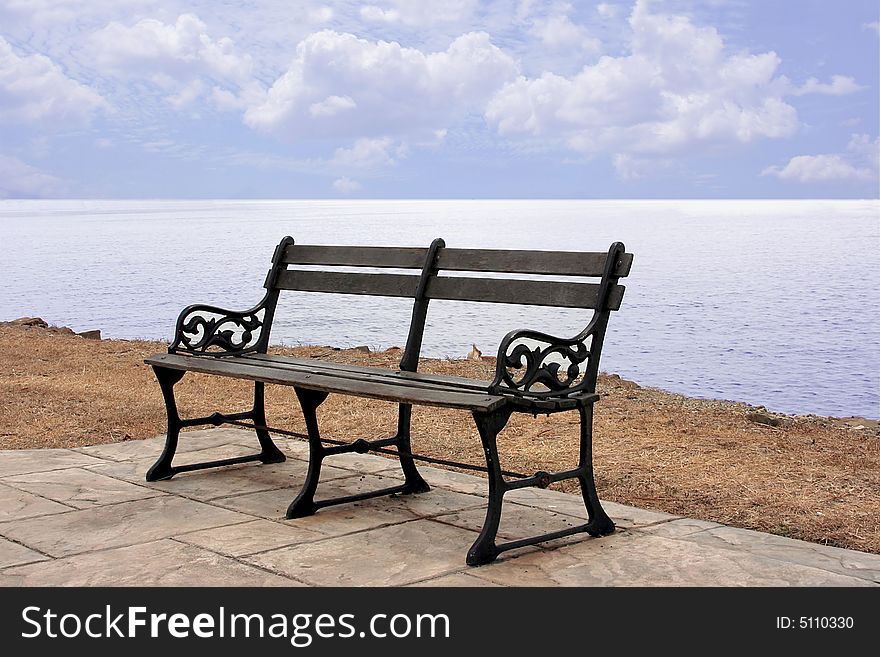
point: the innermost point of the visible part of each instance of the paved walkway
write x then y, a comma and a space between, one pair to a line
86, 517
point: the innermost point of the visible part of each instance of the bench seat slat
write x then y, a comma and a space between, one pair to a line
242, 368
391, 374
365, 374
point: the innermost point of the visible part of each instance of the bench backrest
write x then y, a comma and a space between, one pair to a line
572, 294
429, 278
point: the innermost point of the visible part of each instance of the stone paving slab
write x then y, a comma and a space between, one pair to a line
226, 527
455, 580
378, 557
227, 481
250, 537
116, 525
79, 487
16, 504
333, 521
636, 559
135, 469
159, 563
517, 521
24, 461
13, 554
823, 557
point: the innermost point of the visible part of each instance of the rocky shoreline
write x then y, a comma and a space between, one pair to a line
38, 323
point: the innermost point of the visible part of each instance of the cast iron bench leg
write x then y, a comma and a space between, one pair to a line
413, 480
485, 549
599, 523
162, 468
304, 503
270, 453
489, 425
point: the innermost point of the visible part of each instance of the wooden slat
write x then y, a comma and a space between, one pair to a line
356, 256
239, 368
381, 373
530, 293
555, 263
381, 285
493, 290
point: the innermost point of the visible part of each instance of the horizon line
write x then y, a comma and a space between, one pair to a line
493, 198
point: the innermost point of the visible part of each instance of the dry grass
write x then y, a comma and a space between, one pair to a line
811, 478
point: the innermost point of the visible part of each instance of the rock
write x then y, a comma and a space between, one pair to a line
474, 354
489, 359
761, 418
364, 348
90, 335
393, 350
28, 321
615, 381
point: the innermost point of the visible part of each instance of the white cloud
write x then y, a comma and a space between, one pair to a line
346, 185
322, 14
678, 86
340, 85
874, 27
420, 13
839, 86
606, 10
377, 14
181, 58
21, 180
34, 90
818, 168
188, 95
860, 163
557, 31
332, 105
365, 153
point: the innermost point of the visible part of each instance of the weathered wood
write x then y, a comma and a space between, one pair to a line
240, 368
364, 373
381, 285
530, 293
458, 381
450, 288
555, 263
356, 256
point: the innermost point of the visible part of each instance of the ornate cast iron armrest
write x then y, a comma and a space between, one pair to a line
213, 331
535, 364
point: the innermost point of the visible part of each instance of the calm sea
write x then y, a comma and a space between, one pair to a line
767, 302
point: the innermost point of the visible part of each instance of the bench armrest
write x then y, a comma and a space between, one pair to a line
535, 364
213, 331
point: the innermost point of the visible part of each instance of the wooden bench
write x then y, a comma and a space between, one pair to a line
536, 372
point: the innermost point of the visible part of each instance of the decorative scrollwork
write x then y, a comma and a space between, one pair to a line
210, 330
554, 366
538, 364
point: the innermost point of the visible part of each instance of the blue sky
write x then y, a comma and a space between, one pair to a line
439, 99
